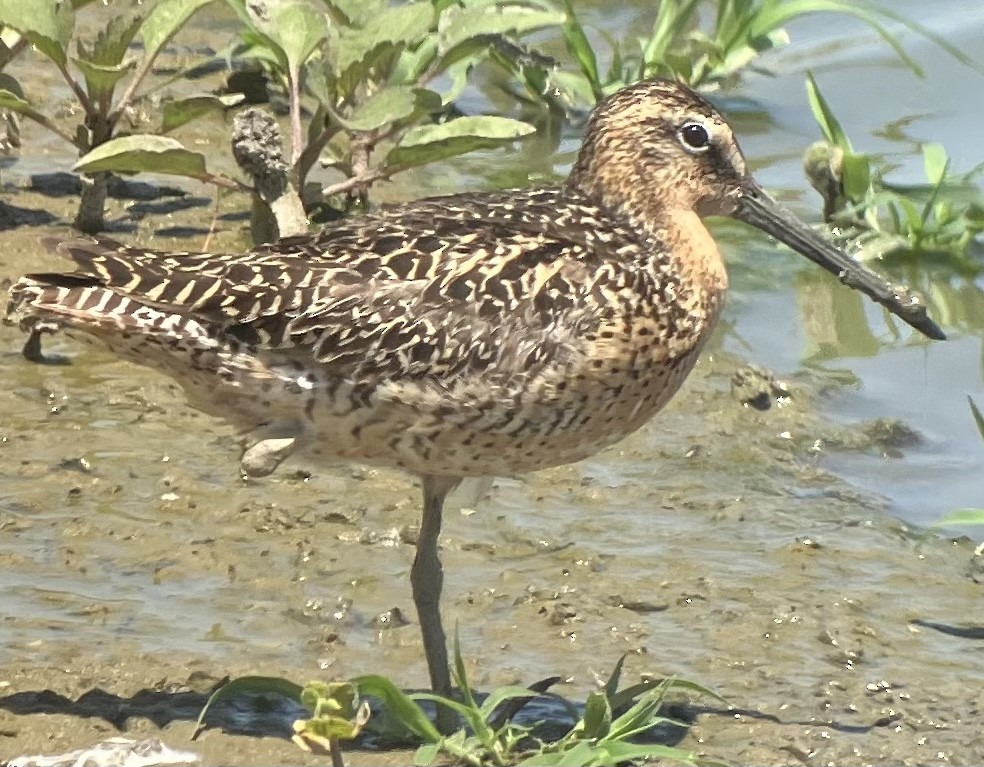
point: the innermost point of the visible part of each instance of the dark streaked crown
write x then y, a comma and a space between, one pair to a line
657, 147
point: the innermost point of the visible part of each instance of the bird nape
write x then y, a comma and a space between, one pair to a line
467, 335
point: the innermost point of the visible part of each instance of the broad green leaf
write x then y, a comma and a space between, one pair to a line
296, 26
48, 24
253, 685
399, 705
163, 22
101, 79
14, 101
427, 754
478, 20
427, 143
358, 12
414, 61
144, 154
183, 111
384, 107
396, 25
12, 86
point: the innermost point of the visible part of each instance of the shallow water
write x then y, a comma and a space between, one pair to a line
764, 554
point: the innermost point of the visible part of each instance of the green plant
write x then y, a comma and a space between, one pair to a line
943, 215
366, 71
104, 74
709, 42
604, 733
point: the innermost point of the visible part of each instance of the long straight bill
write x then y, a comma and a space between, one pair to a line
755, 207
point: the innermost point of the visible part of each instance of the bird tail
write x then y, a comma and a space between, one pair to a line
94, 299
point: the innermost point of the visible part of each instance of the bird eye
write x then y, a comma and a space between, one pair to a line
695, 137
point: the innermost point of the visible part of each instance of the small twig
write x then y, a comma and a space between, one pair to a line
142, 70
215, 220
354, 182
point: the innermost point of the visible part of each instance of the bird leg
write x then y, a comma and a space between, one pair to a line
427, 578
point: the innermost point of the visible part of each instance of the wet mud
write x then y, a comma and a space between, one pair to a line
138, 569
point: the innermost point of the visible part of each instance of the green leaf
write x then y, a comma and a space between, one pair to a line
14, 101
163, 22
619, 753
597, 717
580, 47
614, 679
183, 111
396, 25
935, 162
101, 79
298, 27
855, 176
428, 143
482, 19
113, 41
326, 729
427, 754
251, 685
399, 705
583, 753
48, 24
385, 106
144, 154
824, 115
502, 695
358, 12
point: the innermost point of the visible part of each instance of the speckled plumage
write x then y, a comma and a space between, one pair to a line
469, 335
473, 334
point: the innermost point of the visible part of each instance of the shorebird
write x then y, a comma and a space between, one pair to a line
457, 336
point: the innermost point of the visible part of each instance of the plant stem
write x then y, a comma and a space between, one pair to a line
296, 130
131, 89
80, 94
353, 182
336, 754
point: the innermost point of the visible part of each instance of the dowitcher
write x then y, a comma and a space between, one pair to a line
474, 334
